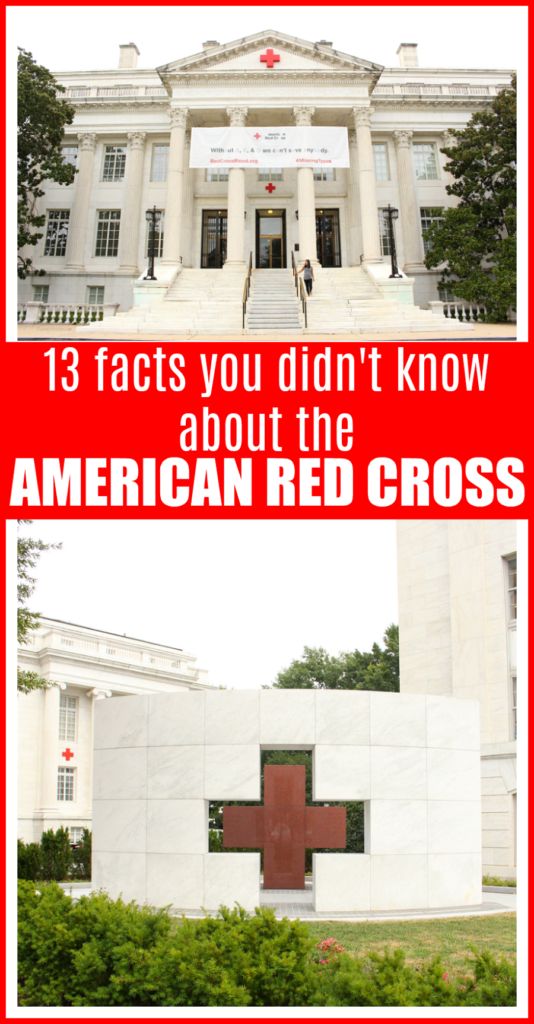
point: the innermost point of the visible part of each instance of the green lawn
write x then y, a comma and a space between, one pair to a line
449, 937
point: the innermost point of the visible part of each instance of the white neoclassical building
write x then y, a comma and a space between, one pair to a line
457, 629
131, 143
55, 726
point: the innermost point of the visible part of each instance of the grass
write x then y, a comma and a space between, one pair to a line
493, 880
449, 938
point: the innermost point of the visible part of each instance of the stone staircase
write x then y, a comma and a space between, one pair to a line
273, 304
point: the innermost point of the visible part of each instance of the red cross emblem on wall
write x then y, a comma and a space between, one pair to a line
284, 827
269, 58
67, 754
270, 188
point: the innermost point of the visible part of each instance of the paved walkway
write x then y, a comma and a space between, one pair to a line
480, 332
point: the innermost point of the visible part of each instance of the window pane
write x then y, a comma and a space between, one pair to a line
57, 230
114, 163
95, 294
40, 292
160, 160
385, 247
430, 215
70, 155
380, 154
107, 234
68, 707
65, 783
425, 161
221, 174
324, 174
270, 174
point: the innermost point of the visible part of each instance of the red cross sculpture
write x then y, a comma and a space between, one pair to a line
270, 188
269, 58
284, 827
257, 135
67, 754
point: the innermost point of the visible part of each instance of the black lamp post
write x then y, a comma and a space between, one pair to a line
392, 214
153, 218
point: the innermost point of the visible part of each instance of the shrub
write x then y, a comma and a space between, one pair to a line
56, 854
29, 860
81, 857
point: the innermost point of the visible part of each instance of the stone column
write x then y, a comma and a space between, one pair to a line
367, 183
235, 251
75, 255
175, 185
131, 211
50, 741
188, 207
306, 198
353, 193
409, 220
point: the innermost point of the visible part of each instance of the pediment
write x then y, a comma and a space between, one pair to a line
244, 55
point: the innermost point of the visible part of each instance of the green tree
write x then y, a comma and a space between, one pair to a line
377, 669
477, 239
42, 116
29, 550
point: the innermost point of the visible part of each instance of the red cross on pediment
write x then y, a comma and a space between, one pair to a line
257, 135
270, 188
269, 58
67, 754
284, 827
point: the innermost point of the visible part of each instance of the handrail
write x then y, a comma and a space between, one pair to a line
246, 289
295, 272
304, 301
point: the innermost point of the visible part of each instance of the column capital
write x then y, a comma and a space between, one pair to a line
87, 140
99, 694
403, 139
303, 115
362, 116
237, 116
178, 116
136, 140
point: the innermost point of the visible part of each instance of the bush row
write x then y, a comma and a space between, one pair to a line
100, 952
54, 858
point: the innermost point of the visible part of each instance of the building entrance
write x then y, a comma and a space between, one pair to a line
214, 226
328, 246
271, 239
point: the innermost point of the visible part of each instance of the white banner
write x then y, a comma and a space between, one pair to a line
269, 147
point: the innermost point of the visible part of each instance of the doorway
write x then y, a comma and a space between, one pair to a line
328, 244
214, 227
271, 239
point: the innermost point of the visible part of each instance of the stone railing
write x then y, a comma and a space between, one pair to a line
114, 92
63, 313
430, 89
459, 309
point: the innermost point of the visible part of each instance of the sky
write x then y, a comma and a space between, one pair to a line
88, 37
243, 597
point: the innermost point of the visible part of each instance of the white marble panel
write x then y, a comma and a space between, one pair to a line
453, 775
120, 774
177, 826
454, 826
231, 878
232, 772
175, 879
399, 882
232, 716
120, 875
341, 882
176, 719
397, 826
398, 719
175, 773
454, 879
119, 826
398, 773
342, 717
120, 722
453, 723
341, 773
287, 718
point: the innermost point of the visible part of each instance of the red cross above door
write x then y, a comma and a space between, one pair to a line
270, 188
67, 754
284, 827
269, 58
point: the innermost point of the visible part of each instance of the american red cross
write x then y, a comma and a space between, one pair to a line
257, 135
269, 58
67, 754
284, 827
270, 188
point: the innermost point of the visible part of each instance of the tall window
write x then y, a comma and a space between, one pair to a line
95, 294
385, 247
57, 229
159, 234
381, 161
76, 834
107, 232
511, 588
68, 713
510, 584
160, 162
324, 174
65, 783
70, 155
514, 707
270, 174
430, 215
425, 161
114, 163
40, 292
217, 174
